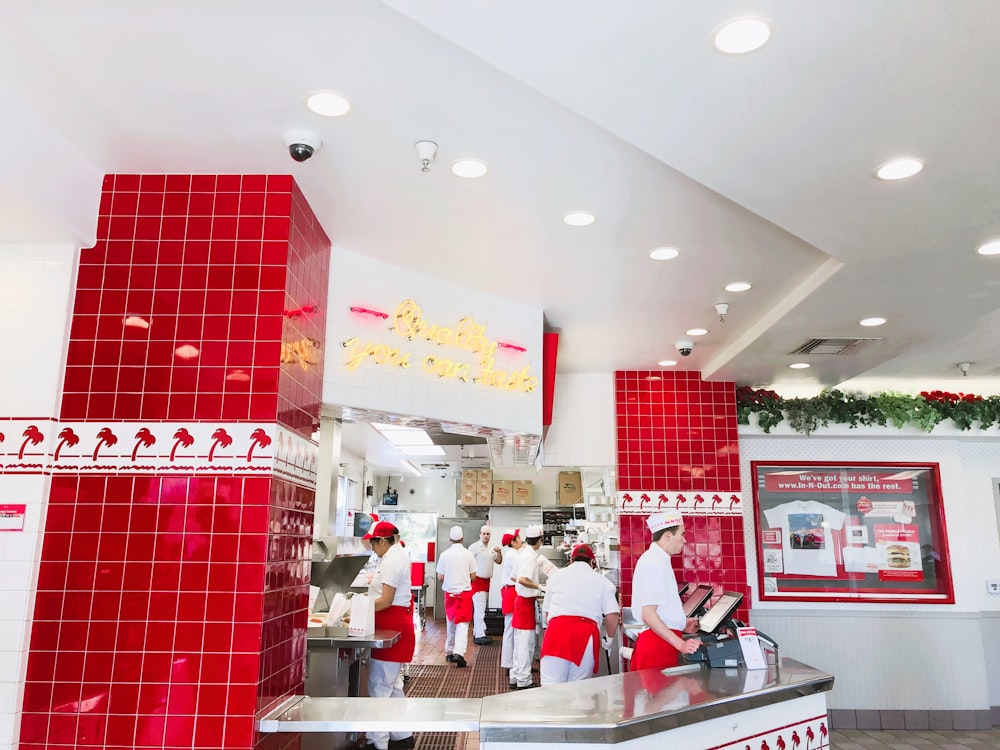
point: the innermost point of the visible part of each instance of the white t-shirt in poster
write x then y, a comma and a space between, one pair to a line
806, 539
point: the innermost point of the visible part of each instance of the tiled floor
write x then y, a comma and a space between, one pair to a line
431, 675
861, 739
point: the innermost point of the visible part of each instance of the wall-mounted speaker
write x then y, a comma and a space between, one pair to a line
369, 491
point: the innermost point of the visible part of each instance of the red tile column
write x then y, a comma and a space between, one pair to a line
173, 585
678, 448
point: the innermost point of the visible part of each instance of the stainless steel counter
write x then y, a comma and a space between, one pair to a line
333, 638
617, 708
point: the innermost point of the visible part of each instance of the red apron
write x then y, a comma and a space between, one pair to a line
507, 595
652, 652
567, 636
401, 619
458, 607
524, 613
480, 584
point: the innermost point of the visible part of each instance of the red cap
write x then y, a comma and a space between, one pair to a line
506, 539
382, 530
581, 552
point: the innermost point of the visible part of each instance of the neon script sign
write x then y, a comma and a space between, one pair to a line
465, 341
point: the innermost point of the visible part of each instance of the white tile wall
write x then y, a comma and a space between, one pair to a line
583, 422
36, 287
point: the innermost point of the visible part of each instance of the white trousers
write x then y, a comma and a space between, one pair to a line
552, 670
524, 653
457, 639
385, 680
507, 644
479, 601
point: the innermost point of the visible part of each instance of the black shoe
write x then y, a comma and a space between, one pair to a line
449, 657
484, 641
526, 687
406, 678
513, 686
459, 661
403, 744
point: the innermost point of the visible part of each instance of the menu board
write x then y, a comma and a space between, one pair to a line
851, 532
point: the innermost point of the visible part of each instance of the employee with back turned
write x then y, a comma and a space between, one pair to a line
655, 597
456, 569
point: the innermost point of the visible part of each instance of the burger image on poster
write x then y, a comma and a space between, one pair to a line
898, 556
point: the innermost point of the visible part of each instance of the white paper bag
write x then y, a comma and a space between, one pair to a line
362, 615
339, 608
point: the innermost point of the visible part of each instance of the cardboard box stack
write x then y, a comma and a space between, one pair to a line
470, 482
570, 487
522, 492
503, 492
484, 486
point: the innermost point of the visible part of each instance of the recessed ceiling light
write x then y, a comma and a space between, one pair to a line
872, 322
800, 365
989, 248
742, 35
328, 103
664, 253
469, 168
899, 169
738, 286
667, 362
696, 331
579, 218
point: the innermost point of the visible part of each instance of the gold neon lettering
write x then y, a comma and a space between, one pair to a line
447, 368
380, 353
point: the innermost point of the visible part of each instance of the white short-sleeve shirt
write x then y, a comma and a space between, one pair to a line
457, 565
579, 590
508, 566
484, 559
653, 582
527, 567
394, 570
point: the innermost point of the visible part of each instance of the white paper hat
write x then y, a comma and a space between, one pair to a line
455, 534
665, 520
532, 532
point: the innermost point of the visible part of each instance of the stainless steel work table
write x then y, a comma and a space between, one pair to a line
326, 638
601, 710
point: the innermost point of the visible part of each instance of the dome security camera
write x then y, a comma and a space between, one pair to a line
302, 144
684, 347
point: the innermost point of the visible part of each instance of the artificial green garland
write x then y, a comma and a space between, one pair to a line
805, 415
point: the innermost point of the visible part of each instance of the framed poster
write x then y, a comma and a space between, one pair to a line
841, 532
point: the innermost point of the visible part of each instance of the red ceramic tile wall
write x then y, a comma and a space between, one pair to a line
713, 554
180, 306
151, 595
300, 385
676, 432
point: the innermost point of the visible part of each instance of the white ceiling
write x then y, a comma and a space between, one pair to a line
758, 167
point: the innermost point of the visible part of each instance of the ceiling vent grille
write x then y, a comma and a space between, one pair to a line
832, 346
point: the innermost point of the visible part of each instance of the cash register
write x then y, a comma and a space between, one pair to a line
720, 646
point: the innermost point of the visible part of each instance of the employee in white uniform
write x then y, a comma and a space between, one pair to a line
456, 568
486, 557
512, 544
655, 597
527, 590
390, 588
577, 601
